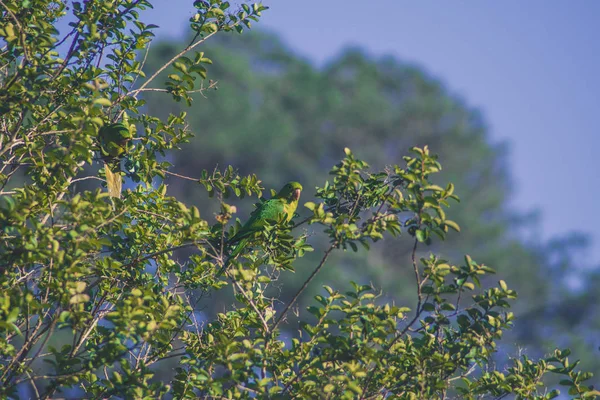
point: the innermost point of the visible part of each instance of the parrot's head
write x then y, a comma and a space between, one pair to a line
291, 191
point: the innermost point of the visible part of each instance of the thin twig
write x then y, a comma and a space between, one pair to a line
304, 285
163, 251
142, 64
21, 32
180, 176
262, 319
407, 327
88, 177
212, 85
33, 385
171, 61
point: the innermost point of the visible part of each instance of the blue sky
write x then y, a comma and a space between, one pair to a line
531, 67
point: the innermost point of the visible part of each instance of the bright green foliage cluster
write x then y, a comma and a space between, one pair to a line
210, 18
100, 293
354, 191
307, 112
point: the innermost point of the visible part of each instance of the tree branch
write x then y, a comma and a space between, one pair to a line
171, 61
251, 302
304, 285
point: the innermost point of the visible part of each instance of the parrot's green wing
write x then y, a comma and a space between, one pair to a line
270, 209
283, 204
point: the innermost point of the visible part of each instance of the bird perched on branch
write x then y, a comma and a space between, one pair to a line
282, 205
113, 139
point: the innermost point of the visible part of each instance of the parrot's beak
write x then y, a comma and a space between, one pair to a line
296, 194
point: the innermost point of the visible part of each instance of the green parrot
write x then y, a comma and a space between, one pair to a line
283, 204
113, 140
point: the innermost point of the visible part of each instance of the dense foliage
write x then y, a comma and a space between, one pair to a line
267, 93
94, 301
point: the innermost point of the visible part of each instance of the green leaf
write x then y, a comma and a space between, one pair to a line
433, 188
80, 287
591, 394
420, 235
310, 205
103, 102
79, 298
452, 225
13, 315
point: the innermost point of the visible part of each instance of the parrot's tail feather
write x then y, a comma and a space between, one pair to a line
114, 182
223, 268
234, 253
238, 248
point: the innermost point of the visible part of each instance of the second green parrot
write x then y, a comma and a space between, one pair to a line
283, 204
113, 140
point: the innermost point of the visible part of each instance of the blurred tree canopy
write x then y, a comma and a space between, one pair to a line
277, 114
